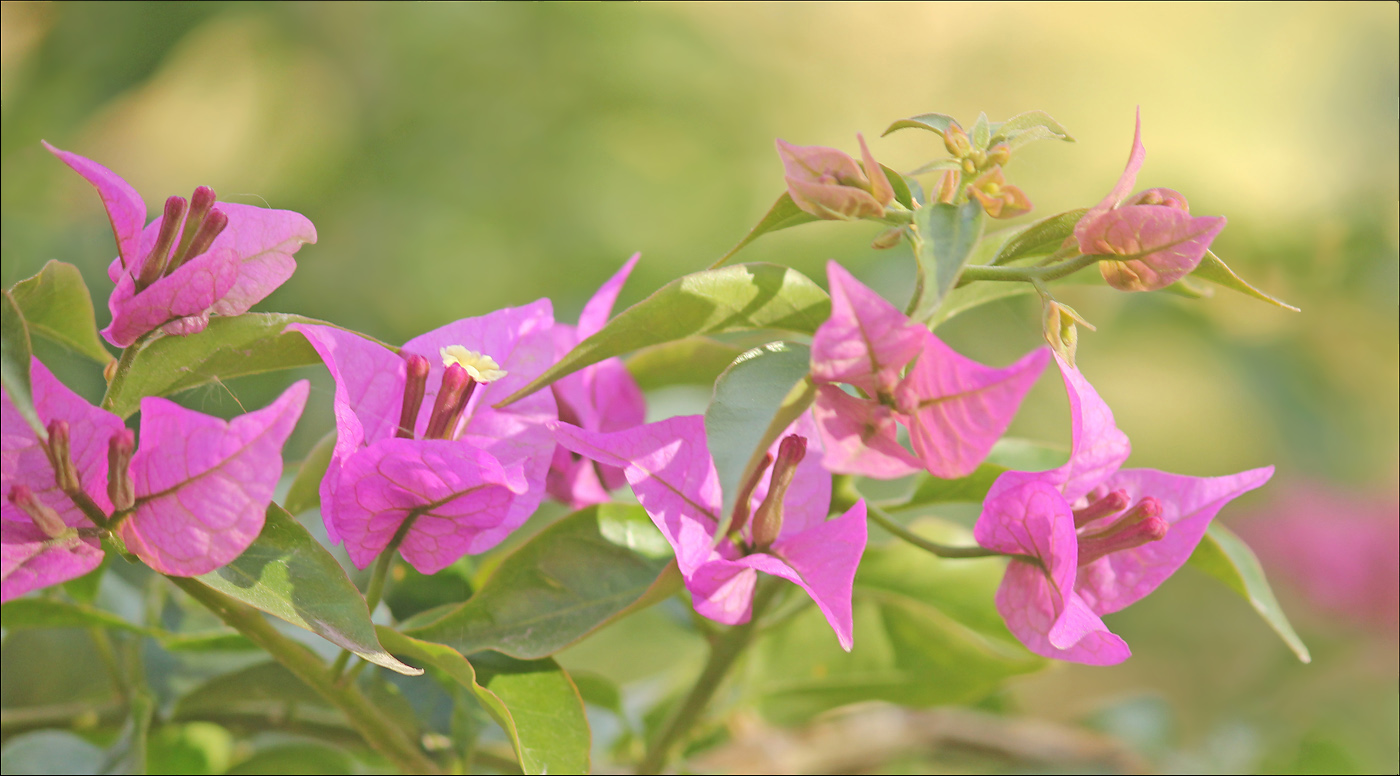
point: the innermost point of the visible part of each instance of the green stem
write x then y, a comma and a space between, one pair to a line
723, 652
918, 296
941, 550
976, 272
123, 366
365, 717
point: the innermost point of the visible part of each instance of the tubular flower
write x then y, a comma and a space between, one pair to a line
829, 184
599, 397
1092, 538
955, 408
195, 259
190, 500
1153, 231
779, 525
422, 461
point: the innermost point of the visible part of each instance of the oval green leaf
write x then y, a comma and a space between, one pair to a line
937, 123
949, 234
288, 574
572, 578
58, 307
782, 215
737, 298
1226, 557
1213, 269
15, 354
689, 361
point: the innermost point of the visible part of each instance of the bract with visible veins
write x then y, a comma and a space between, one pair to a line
669, 467
1082, 559
250, 258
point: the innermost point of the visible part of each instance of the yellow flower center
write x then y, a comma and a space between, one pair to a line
482, 368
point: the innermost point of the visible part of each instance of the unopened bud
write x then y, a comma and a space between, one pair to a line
888, 238
200, 203
1149, 529
209, 231
948, 185
999, 154
110, 370
829, 184
121, 488
955, 140
44, 516
1161, 197
999, 199
1060, 325
969, 166
741, 507
447, 408
154, 266
60, 452
415, 385
768, 518
1104, 506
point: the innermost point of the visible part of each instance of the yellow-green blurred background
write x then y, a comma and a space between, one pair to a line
460, 158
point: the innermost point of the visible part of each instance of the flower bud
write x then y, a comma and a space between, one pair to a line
1140, 525
999, 199
44, 516
1098, 508
948, 185
154, 266
121, 488
60, 452
741, 507
831, 185
1059, 325
999, 154
415, 385
1162, 197
888, 238
209, 231
200, 203
956, 141
452, 398
768, 518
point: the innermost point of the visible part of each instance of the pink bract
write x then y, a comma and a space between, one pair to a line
370, 380
669, 467
599, 397
202, 485
1053, 600
1161, 243
246, 262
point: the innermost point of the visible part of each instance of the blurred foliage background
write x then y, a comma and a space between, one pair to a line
460, 158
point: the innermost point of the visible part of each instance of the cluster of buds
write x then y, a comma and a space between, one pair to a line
982, 167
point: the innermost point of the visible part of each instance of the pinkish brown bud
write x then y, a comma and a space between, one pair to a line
956, 141
831, 185
768, 518
214, 225
44, 517
415, 385
154, 266
1149, 529
999, 154
999, 199
1111, 504
1163, 197
451, 399
741, 507
121, 488
948, 185
1060, 323
60, 452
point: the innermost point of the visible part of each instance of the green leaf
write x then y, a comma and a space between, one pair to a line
949, 232
1043, 236
288, 574
246, 344
574, 577
926, 633
689, 361
533, 701
783, 214
294, 759
902, 195
933, 122
15, 354
50, 752
737, 298
938, 165
981, 131
261, 690
57, 306
1029, 127
1213, 269
1007, 454
305, 491
1226, 557
755, 400
48, 613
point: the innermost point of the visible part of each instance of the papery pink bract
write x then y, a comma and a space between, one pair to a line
954, 407
599, 397
203, 484
669, 467
829, 184
245, 263
369, 385
1053, 600
1164, 241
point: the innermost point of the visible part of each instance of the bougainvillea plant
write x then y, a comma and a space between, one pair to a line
748, 523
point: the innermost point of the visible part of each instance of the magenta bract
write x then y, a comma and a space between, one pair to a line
488, 472
1161, 242
244, 263
599, 397
1096, 538
669, 467
955, 408
201, 485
